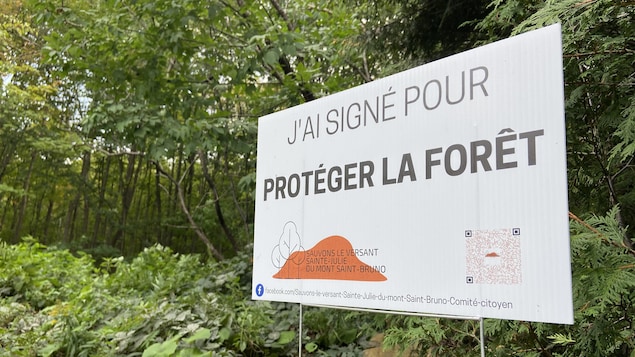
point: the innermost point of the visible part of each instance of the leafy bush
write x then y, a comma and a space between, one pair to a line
41, 276
160, 303
54, 303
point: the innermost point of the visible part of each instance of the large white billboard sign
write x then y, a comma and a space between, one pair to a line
440, 190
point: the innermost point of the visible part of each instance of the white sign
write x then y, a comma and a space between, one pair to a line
441, 190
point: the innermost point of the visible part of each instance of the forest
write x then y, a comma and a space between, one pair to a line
128, 136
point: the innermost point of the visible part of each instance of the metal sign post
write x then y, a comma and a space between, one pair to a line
300, 334
482, 337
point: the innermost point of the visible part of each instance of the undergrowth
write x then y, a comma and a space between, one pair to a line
161, 303
54, 303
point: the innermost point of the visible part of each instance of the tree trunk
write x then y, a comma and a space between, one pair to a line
219, 212
47, 220
159, 213
6, 154
105, 169
24, 200
85, 179
127, 186
211, 249
71, 217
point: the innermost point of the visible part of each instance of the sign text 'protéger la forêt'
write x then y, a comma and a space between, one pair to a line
456, 159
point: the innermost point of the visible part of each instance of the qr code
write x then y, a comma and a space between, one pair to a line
493, 256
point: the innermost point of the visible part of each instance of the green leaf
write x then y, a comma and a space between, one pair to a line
311, 347
290, 50
560, 339
286, 337
164, 349
189, 352
271, 57
348, 336
49, 350
200, 334
224, 334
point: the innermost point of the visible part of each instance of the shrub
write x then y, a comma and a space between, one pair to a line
54, 303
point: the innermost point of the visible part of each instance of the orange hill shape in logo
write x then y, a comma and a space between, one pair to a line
332, 258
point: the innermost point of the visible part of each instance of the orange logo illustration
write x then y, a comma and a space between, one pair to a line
332, 258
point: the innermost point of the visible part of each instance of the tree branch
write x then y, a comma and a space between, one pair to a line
211, 250
284, 61
602, 236
282, 14
219, 212
585, 54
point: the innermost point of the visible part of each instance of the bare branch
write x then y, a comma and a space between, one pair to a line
120, 153
211, 250
282, 14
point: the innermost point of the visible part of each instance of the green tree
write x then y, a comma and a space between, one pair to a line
173, 91
598, 51
423, 31
34, 140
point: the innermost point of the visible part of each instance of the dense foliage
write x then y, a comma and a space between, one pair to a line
161, 303
145, 113
53, 303
129, 126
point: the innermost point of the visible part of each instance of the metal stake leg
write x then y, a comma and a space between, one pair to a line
482, 337
300, 334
